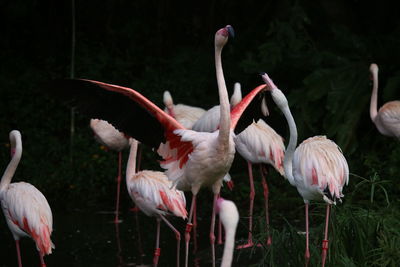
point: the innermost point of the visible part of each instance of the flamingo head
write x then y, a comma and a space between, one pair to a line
277, 95
373, 69
222, 35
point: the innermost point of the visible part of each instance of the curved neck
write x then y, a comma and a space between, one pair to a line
225, 117
16, 150
288, 160
373, 109
229, 246
131, 165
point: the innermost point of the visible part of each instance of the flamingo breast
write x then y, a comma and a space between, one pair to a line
320, 170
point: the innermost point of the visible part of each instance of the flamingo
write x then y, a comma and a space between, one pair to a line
25, 208
190, 158
229, 216
316, 167
184, 114
112, 139
154, 194
257, 144
387, 119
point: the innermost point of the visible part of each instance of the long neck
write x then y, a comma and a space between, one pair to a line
229, 246
288, 160
373, 109
225, 117
131, 165
16, 146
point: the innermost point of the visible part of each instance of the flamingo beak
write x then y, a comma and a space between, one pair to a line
230, 31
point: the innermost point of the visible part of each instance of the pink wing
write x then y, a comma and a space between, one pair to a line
389, 117
127, 110
27, 210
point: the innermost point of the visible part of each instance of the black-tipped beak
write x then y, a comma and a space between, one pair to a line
230, 31
261, 73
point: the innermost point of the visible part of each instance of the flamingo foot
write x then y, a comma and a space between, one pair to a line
324, 251
157, 254
269, 241
306, 258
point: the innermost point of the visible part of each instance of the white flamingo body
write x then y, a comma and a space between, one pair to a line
387, 118
107, 135
154, 194
25, 208
184, 114
317, 167
259, 143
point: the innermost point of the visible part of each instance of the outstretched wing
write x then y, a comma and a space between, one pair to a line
247, 110
126, 109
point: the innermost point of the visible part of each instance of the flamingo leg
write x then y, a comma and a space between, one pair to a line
307, 253
212, 228
18, 253
188, 229
266, 196
116, 220
42, 263
219, 242
252, 194
157, 251
195, 228
178, 238
325, 241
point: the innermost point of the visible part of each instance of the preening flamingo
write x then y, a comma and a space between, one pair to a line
25, 208
155, 195
190, 158
112, 139
316, 167
258, 143
184, 114
387, 119
229, 216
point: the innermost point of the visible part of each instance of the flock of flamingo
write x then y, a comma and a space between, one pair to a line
198, 148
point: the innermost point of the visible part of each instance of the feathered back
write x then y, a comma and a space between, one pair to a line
259, 143
320, 162
26, 208
152, 193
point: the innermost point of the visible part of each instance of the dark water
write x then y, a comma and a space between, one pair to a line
90, 238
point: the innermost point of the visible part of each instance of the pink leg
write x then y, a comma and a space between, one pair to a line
178, 238
157, 251
325, 241
188, 229
42, 263
252, 194
212, 229
195, 228
219, 242
307, 253
266, 196
18, 253
116, 220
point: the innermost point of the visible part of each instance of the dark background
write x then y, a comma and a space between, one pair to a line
317, 52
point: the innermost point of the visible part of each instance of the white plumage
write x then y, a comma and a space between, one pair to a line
25, 208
